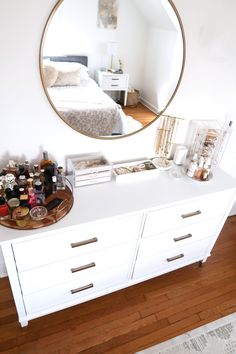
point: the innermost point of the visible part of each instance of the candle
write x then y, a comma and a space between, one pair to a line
180, 154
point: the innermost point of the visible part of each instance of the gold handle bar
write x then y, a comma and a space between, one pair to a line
83, 243
180, 238
86, 266
184, 216
82, 288
174, 258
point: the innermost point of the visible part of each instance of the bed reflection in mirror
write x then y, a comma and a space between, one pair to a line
111, 82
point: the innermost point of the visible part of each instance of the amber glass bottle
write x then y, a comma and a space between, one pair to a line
45, 161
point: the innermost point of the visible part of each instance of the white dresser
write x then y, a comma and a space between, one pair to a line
115, 236
113, 82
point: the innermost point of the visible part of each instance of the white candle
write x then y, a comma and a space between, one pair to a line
180, 154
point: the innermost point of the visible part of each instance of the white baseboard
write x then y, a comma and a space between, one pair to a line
149, 105
3, 270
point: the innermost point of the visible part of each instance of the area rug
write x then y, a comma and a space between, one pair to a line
218, 337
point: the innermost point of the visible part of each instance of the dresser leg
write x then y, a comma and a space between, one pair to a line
24, 323
202, 261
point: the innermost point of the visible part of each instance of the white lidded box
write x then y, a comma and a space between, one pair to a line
132, 170
89, 169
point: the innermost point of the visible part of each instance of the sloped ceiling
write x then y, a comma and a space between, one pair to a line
155, 14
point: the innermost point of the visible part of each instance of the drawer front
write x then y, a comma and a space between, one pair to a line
167, 261
76, 268
76, 291
184, 214
73, 243
114, 82
178, 237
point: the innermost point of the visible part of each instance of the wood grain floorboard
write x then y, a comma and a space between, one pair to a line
133, 318
141, 113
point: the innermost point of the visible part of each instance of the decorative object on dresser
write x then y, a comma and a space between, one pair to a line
33, 196
115, 236
179, 159
89, 169
164, 140
133, 170
114, 82
208, 139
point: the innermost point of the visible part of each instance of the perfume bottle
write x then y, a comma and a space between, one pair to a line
192, 166
38, 191
54, 184
2, 191
45, 160
4, 210
27, 168
61, 178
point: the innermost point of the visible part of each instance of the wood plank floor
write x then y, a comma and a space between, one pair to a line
140, 113
134, 318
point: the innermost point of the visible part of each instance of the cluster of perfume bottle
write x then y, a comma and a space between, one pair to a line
26, 186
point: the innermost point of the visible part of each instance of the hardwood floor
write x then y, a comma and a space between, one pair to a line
140, 113
133, 318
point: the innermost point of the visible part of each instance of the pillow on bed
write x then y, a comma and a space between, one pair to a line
68, 78
68, 65
50, 74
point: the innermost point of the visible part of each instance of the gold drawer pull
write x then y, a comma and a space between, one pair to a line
184, 216
114, 85
115, 79
181, 255
82, 288
86, 266
180, 238
83, 243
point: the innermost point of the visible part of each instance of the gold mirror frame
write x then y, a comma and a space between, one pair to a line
116, 136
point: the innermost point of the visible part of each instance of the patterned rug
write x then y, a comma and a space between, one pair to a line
218, 337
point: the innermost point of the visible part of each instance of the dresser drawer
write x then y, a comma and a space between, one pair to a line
75, 291
159, 263
76, 268
186, 213
178, 237
115, 82
76, 242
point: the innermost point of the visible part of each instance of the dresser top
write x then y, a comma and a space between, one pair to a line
109, 200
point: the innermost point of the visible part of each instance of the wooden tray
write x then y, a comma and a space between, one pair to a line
53, 215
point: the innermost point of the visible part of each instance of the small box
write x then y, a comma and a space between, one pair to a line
134, 170
89, 169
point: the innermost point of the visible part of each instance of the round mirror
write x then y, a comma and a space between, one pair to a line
111, 67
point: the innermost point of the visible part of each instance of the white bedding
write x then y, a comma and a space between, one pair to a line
88, 109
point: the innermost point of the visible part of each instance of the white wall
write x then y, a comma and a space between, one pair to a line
29, 124
74, 31
157, 83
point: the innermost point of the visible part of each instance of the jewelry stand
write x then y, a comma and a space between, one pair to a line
164, 141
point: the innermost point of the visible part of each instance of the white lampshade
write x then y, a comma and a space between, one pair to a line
112, 48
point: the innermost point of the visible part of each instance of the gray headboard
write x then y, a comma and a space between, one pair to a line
82, 59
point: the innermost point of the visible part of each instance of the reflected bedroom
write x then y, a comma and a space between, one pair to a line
108, 74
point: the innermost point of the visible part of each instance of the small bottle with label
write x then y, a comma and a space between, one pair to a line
54, 184
61, 178
192, 166
22, 182
199, 170
39, 193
